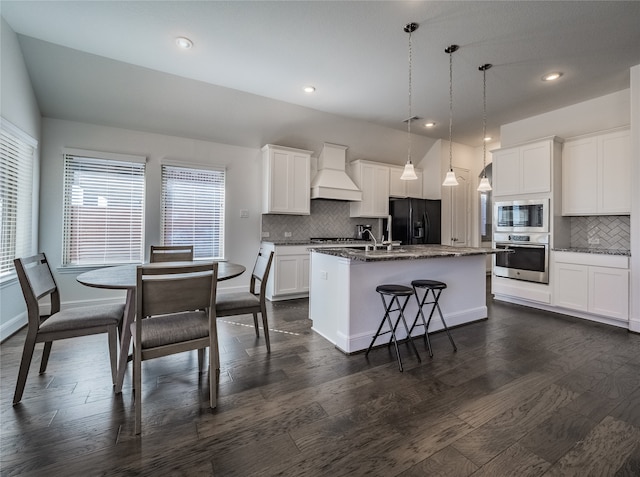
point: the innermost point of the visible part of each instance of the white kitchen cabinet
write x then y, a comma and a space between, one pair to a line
596, 175
592, 283
289, 277
373, 180
286, 180
400, 188
524, 169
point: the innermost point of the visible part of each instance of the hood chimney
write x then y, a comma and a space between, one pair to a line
332, 181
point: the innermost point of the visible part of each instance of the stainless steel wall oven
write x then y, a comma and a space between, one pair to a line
528, 259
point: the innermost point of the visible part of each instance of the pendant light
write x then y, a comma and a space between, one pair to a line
409, 173
484, 185
450, 178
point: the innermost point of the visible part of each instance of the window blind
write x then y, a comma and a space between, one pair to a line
16, 197
103, 211
193, 209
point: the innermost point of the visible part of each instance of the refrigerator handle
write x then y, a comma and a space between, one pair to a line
427, 227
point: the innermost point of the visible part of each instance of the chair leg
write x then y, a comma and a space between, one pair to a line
45, 356
265, 325
420, 314
255, 324
200, 360
25, 362
137, 387
113, 352
214, 364
446, 328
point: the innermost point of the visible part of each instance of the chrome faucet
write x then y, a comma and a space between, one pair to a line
375, 242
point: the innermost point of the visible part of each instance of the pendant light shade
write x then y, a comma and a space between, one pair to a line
484, 185
450, 178
409, 173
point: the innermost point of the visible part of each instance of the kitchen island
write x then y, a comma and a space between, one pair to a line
346, 309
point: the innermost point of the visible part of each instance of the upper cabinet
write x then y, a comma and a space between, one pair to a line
287, 180
400, 188
596, 175
524, 169
373, 180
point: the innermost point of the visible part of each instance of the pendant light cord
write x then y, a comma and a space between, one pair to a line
451, 108
484, 121
409, 120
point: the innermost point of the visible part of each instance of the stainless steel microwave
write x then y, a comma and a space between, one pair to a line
531, 216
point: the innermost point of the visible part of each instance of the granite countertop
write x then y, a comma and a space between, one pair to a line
601, 251
310, 243
288, 242
406, 252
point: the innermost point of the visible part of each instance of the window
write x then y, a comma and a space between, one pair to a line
193, 209
18, 199
103, 209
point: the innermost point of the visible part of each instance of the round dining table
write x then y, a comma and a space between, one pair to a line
123, 277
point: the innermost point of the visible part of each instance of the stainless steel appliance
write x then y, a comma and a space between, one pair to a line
522, 216
414, 221
528, 260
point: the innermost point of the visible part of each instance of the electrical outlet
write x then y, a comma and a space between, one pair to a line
323, 275
594, 241
287, 234
265, 234
244, 213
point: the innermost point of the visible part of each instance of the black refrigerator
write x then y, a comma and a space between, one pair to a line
414, 221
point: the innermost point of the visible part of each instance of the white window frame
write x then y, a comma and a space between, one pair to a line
113, 244
19, 186
205, 202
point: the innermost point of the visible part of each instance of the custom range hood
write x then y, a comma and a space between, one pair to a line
331, 180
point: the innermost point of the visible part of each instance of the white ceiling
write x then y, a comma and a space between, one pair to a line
116, 63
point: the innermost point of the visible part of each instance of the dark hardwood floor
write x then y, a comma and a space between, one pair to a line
527, 393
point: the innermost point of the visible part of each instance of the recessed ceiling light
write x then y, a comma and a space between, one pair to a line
552, 76
309, 89
184, 42
430, 124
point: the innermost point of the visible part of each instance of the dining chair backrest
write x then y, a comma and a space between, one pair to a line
261, 272
36, 281
173, 289
171, 253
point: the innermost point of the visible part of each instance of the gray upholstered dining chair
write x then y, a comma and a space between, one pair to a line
175, 312
171, 253
36, 281
242, 303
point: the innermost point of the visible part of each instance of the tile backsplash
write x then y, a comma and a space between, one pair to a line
610, 232
328, 218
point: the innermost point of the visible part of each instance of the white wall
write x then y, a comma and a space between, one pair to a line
606, 112
634, 308
17, 105
243, 187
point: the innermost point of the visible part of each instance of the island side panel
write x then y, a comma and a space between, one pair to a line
329, 300
354, 315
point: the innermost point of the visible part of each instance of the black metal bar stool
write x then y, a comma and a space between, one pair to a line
435, 287
394, 292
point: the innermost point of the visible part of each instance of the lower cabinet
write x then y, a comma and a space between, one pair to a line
592, 283
289, 277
